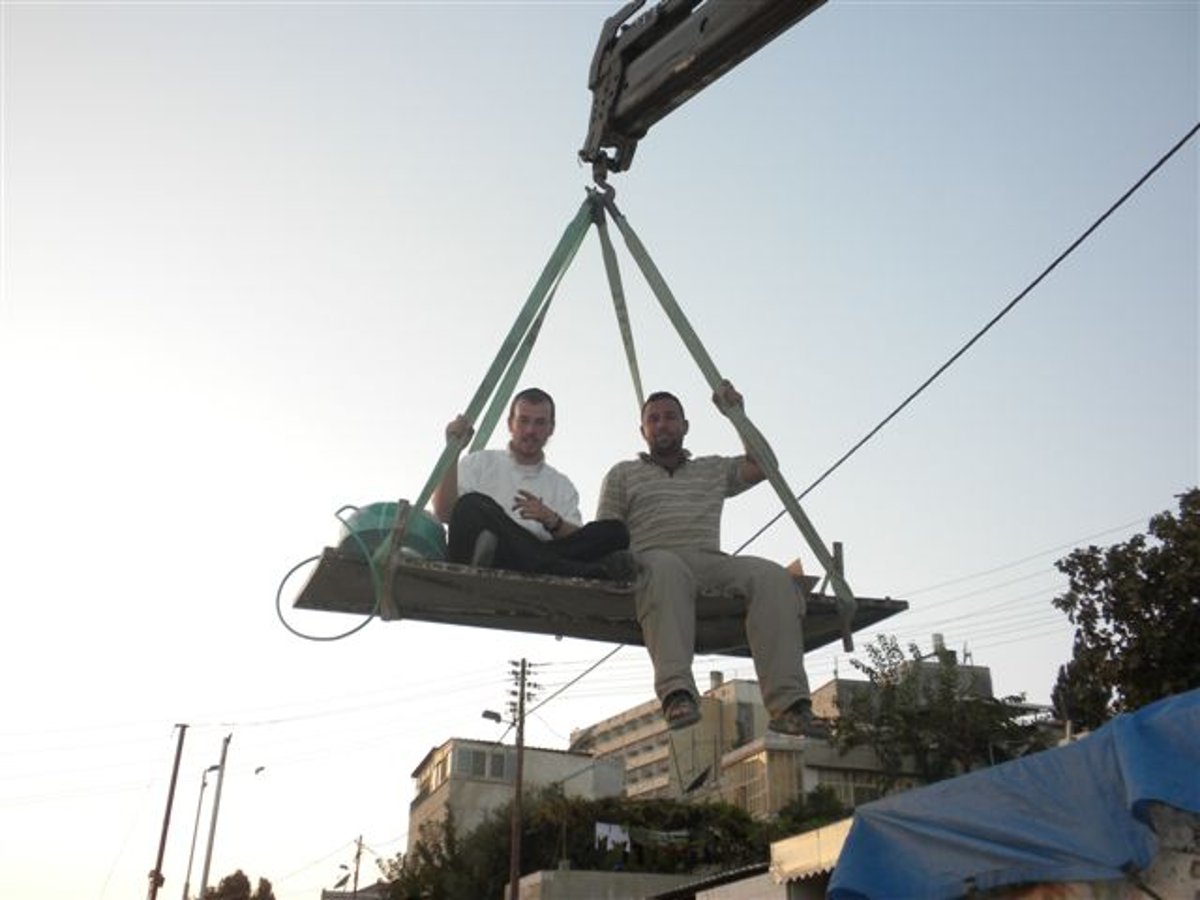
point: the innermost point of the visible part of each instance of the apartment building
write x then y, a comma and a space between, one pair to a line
662, 763
730, 755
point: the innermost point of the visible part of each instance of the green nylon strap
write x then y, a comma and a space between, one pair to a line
618, 295
389, 554
750, 435
504, 391
517, 365
559, 260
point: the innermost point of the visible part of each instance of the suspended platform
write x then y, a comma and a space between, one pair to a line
450, 594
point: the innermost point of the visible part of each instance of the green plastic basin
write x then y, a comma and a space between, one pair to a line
369, 526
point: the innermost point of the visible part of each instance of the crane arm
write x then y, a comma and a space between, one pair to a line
643, 69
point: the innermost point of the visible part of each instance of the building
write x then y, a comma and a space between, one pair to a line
661, 763
468, 779
730, 755
377, 891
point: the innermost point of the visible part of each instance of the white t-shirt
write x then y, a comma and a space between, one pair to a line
499, 476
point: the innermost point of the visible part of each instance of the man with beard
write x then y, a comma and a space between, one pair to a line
671, 502
513, 510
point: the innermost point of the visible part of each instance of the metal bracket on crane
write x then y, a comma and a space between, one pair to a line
643, 69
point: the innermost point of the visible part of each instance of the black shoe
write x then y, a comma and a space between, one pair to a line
484, 553
797, 720
621, 566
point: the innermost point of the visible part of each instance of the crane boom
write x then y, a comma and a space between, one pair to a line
643, 69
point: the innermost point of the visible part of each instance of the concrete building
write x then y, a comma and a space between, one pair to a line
469, 779
730, 755
378, 891
662, 763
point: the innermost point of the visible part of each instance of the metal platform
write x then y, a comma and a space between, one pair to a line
543, 604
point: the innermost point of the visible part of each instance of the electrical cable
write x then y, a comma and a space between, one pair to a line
316, 862
1078, 542
605, 658
979, 334
376, 584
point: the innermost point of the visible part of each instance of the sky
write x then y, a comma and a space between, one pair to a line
255, 256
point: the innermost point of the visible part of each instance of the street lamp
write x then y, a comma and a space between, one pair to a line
212, 822
196, 829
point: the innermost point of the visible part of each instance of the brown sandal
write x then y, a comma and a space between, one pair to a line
680, 710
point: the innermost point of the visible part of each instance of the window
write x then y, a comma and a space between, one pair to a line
852, 787
469, 761
496, 769
743, 724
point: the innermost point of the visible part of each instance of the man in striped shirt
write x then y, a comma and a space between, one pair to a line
671, 502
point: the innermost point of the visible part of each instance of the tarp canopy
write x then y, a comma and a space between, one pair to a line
1075, 813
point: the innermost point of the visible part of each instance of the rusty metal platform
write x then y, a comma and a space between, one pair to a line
451, 594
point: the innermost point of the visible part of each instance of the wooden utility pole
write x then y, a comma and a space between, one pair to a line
156, 876
514, 859
357, 859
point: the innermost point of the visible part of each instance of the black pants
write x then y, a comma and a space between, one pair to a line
576, 555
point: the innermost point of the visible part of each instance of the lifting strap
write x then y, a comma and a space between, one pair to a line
390, 552
753, 439
618, 295
501, 378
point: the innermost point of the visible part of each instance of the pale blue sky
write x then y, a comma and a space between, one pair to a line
256, 255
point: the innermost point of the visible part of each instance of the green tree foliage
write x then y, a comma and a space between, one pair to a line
1078, 696
809, 811
237, 887
667, 836
437, 867
1136, 611
928, 718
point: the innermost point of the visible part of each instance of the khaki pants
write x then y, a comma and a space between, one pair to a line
666, 609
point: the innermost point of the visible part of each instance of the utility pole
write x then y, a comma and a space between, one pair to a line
514, 859
156, 877
357, 858
212, 825
187, 880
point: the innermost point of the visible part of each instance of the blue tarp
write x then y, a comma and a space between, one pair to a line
1075, 813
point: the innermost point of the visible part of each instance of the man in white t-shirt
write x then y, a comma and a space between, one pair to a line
513, 510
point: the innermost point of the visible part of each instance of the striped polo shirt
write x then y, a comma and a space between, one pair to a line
664, 509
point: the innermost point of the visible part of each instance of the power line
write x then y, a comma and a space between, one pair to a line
979, 334
1071, 545
578, 677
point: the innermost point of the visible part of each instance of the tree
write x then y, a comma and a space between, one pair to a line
666, 836
929, 718
809, 811
1136, 611
435, 868
237, 887
1077, 695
